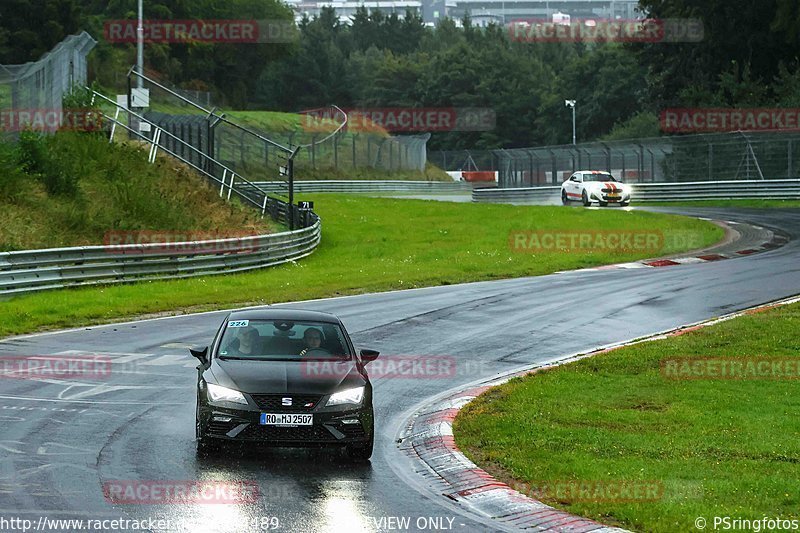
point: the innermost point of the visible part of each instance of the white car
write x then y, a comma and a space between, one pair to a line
589, 186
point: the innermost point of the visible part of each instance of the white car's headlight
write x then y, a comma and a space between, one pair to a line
217, 393
353, 396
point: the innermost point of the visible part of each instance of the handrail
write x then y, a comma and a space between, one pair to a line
227, 171
210, 113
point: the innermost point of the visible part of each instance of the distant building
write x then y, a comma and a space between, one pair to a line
507, 10
346, 10
482, 12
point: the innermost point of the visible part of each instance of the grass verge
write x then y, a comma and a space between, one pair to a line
368, 245
714, 447
88, 188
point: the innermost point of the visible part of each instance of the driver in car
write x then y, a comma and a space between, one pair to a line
312, 339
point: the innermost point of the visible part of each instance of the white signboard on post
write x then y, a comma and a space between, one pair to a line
140, 98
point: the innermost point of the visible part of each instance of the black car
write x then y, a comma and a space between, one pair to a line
284, 377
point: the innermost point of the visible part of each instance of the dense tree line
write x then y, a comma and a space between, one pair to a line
29, 28
386, 61
749, 57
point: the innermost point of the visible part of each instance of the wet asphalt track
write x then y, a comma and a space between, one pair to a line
61, 441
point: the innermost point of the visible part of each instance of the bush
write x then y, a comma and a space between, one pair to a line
53, 168
78, 98
12, 177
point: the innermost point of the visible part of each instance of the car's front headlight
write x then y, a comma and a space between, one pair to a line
217, 393
353, 396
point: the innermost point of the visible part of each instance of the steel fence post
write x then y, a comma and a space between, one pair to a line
336, 151
710, 161
530, 170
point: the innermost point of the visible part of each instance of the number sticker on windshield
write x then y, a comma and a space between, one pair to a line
238, 323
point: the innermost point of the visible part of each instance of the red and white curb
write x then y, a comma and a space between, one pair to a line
428, 438
775, 242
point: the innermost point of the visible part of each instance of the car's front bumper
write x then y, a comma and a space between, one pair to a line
351, 426
611, 198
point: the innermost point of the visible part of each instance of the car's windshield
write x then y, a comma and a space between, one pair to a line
283, 340
598, 177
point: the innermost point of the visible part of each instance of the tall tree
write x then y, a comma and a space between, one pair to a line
33, 27
739, 32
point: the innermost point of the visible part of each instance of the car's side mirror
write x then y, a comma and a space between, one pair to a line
200, 352
369, 355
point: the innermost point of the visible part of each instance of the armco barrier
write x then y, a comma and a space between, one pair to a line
36, 270
370, 186
661, 192
526, 194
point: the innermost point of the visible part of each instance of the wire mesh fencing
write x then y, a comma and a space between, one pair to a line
31, 94
710, 157
255, 144
336, 147
350, 150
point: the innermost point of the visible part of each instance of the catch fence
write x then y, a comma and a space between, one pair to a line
33, 92
675, 159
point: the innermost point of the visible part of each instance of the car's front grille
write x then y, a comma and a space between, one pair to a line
611, 190
274, 402
271, 433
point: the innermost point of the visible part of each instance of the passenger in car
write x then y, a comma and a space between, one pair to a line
246, 342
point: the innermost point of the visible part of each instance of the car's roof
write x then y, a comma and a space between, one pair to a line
593, 171
283, 313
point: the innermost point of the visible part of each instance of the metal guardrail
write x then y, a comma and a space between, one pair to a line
36, 270
356, 186
719, 190
783, 189
523, 194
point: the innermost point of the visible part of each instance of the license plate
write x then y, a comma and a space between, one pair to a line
613, 197
286, 419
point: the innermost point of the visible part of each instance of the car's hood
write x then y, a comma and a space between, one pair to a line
606, 185
279, 377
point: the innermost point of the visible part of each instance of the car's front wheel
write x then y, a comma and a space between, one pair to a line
564, 198
624, 204
585, 199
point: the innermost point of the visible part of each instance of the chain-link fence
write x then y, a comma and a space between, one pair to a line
468, 160
255, 144
712, 157
31, 94
351, 150
340, 151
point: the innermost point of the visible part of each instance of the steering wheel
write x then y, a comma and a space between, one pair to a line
315, 352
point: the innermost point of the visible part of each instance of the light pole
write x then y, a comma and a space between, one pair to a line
140, 47
571, 103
